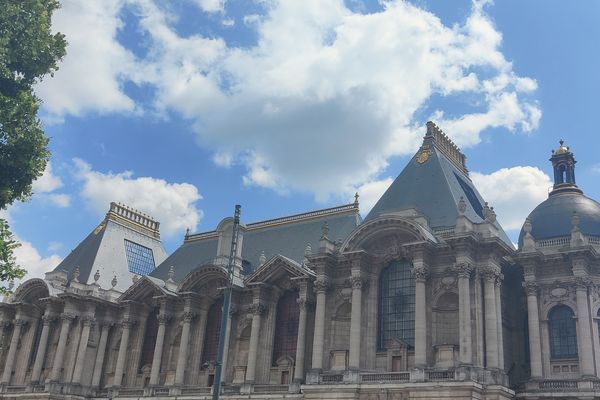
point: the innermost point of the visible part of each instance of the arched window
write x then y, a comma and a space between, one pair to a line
396, 304
149, 339
213, 329
286, 326
563, 334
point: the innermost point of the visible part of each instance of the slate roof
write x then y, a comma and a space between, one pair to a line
433, 185
82, 256
287, 236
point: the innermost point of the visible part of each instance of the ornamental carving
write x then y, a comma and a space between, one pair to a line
48, 319
321, 285
127, 323
463, 270
88, 321
67, 317
163, 318
20, 322
356, 282
531, 288
304, 304
420, 274
489, 274
582, 283
188, 316
257, 309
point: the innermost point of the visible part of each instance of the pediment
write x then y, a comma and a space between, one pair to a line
277, 266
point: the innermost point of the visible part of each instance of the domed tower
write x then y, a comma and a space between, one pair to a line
559, 250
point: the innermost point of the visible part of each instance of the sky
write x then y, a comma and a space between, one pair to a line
183, 109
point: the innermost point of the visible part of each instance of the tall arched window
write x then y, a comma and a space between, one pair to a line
563, 334
286, 326
396, 304
213, 329
149, 339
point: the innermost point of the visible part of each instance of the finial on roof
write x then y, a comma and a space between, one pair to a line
325, 230
527, 226
562, 148
356, 199
462, 205
262, 259
135, 278
11, 285
308, 250
97, 276
114, 281
171, 273
575, 220
187, 233
76, 274
488, 213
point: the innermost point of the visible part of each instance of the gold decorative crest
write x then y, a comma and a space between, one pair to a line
423, 155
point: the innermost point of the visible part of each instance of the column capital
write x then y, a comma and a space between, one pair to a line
88, 320
421, 274
67, 317
499, 279
107, 324
188, 316
582, 283
48, 319
489, 274
304, 304
127, 323
20, 322
163, 318
321, 285
463, 270
531, 288
257, 309
357, 282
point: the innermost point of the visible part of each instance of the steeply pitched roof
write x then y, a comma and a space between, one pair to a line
83, 255
432, 183
287, 236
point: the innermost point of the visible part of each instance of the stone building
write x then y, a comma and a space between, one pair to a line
426, 298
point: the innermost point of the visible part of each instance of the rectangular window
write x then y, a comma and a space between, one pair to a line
140, 259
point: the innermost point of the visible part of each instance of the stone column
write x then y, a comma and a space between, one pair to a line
491, 322
586, 362
301, 342
199, 344
321, 285
183, 348
12, 350
41, 352
85, 335
355, 322
100, 354
533, 321
257, 310
59, 356
479, 331
499, 322
124, 347
158, 348
464, 314
420, 318
232, 311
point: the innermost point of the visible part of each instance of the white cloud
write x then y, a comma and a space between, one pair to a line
92, 74
43, 187
513, 192
371, 192
211, 6
325, 97
172, 204
48, 182
28, 257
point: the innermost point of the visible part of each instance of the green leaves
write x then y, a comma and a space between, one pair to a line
28, 52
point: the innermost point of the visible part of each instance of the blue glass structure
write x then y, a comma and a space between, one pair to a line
140, 259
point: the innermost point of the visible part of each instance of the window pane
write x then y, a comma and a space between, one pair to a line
286, 326
140, 259
396, 304
213, 330
563, 334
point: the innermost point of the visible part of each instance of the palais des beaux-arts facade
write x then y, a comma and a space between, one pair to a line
424, 298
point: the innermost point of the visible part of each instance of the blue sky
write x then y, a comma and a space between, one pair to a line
183, 109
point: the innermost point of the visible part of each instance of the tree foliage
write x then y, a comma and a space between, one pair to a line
28, 52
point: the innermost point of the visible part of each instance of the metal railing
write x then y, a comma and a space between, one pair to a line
385, 377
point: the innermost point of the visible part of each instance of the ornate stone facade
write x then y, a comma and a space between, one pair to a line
404, 305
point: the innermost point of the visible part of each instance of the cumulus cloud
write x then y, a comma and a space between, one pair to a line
93, 72
43, 187
172, 204
29, 258
326, 95
513, 192
371, 192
